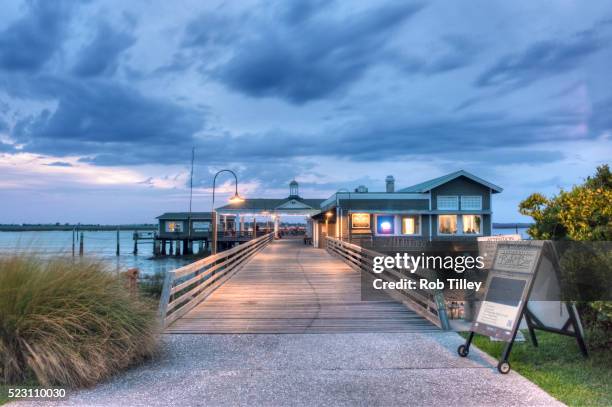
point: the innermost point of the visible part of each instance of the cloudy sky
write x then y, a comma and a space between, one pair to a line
101, 101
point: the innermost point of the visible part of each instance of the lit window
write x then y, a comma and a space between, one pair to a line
447, 224
411, 225
471, 203
448, 203
385, 225
174, 226
360, 220
471, 224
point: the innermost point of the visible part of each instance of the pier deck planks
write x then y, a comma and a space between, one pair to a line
293, 288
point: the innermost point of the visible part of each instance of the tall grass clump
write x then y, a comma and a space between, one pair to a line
69, 322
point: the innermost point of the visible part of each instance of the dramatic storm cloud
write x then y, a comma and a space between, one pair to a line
106, 98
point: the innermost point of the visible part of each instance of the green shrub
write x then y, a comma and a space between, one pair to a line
151, 285
70, 323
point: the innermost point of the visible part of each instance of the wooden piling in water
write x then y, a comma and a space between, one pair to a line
135, 252
118, 251
81, 245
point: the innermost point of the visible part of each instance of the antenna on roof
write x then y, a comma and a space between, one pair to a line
191, 180
190, 195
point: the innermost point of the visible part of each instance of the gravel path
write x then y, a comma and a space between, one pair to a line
383, 369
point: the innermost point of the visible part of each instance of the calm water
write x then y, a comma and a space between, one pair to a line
521, 231
101, 245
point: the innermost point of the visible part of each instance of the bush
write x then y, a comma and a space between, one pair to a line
151, 285
69, 323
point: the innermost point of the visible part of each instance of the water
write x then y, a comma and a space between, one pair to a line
101, 245
512, 231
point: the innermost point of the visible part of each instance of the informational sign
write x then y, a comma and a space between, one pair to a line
500, 238
501, 305
487, 246
506, 289
524, 283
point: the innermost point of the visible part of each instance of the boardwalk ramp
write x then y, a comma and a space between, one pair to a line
289, 287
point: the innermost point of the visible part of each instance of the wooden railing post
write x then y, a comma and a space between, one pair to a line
186, 286
421, 302
165, 296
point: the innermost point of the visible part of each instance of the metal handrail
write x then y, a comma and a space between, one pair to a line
187, 286
427, 303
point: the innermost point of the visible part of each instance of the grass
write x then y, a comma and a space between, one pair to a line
151, 285
3, 394
558, 367
69, 322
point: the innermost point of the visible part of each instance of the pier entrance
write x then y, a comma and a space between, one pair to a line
289, 287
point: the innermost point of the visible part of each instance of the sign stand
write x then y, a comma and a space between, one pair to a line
519, 271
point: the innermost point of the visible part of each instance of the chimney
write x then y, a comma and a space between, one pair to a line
390, 181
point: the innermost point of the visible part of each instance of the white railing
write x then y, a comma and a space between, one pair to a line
427, 303
186, 287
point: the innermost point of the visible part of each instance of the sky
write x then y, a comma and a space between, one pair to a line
101, 102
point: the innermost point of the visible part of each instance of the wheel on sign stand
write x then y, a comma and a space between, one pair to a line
463, 351
503, 367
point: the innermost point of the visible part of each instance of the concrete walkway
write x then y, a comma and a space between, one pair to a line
354, 369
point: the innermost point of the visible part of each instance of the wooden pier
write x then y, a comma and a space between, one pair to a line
289, 287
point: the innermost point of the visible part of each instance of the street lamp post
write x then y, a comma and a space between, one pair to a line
235, 199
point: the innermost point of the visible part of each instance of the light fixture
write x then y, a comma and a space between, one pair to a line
385, 226
329, 214
236, 199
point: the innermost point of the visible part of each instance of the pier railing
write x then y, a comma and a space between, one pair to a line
186, 287
427, 303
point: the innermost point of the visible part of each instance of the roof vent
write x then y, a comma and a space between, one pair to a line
390, 181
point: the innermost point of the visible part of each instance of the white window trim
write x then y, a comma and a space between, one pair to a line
455, 197
471, 196
481, 225
459, 229
401, 226
459, 224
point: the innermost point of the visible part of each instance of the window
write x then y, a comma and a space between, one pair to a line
471, 224
360, 220
174, 226
411, 225
385, 225
471, 203
447, 224
201, 226
448, 203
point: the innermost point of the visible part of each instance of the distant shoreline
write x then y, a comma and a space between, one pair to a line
511, 225
67, 228
150, 226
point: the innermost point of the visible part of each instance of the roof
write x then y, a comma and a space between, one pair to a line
436, 182
184, 215
359, 203
266, 204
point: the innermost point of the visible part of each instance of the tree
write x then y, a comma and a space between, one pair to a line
583, 213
